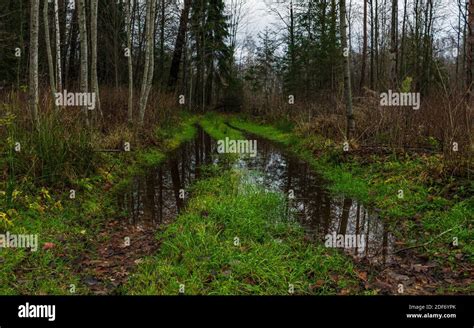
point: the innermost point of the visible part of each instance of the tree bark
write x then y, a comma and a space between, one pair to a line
292, 46
347, 71
33, 61
130, 64
178, 49
148, 70
403, 41
94, 79
84, 62
394, 44
372, 46
162, 40
116, 44
48, 51
152, 49
376, 45
147, 65
59, 82
70, 71
364, 48
470, 52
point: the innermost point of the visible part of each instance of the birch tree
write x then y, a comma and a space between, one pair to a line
364, 48
94, 80
394, 44
84, 62
149, 60
152, 54
48, 49
470, 51
347, 71
59, 83
130, 63
33, 60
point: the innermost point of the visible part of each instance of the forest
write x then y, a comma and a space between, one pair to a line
236, 147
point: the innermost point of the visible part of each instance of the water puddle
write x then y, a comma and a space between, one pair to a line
156, 197
340, 221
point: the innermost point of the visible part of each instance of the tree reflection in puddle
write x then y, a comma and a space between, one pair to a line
157, 197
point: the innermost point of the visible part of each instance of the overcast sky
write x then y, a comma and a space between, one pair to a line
259, 15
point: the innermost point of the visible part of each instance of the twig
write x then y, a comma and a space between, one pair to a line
428, 242
109, 151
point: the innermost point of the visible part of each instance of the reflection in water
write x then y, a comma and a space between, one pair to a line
318, 211
155, 197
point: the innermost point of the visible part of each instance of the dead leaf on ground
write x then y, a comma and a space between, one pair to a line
362, 275
48, 245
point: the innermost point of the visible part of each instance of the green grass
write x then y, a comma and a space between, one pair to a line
71, 224
215, 125
170, 138
377, 184
199, 251
459, 220
177, 134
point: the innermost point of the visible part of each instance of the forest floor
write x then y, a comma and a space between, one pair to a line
231, 237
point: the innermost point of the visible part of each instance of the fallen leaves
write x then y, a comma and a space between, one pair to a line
109, 263
319, 283
362, 275
48, 245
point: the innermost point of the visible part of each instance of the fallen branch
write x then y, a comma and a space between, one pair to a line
109, 151
428, 242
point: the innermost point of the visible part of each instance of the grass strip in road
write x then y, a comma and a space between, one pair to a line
215, 125
235, 239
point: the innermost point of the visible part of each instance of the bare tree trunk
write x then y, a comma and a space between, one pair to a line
58, 47
148, 54
470, 68
470, 51
403, 41
347, 71
364, 48
84, 63
33, 54
458, 44
152, 49
130, 64
427, 46
69, 67
162, 40
48, 51
94, 79
417, 37
372, 47
376, 45
22, 43
116, 44
147, 64
394, 44
292, 45
178, 49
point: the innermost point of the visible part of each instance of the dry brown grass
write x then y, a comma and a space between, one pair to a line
442, 120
